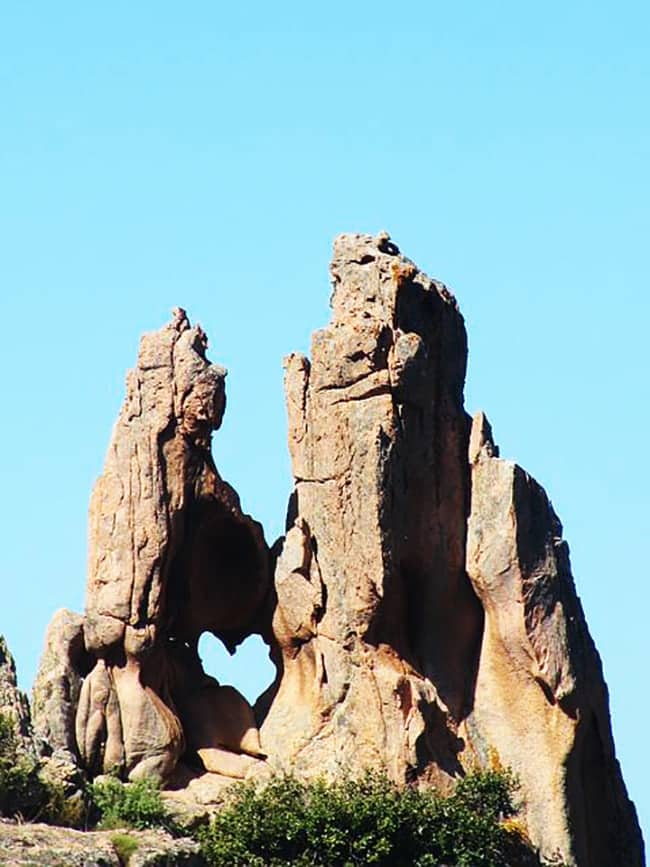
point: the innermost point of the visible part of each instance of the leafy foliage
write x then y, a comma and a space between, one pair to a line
370, 821
131, 805
26, 792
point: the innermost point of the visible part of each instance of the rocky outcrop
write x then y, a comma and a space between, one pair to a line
171, 555
420, 609
376, 621
410, 635
55, 694
540, 702
36, 845
14, 705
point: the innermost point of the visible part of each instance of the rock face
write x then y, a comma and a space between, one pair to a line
420, 610
36, 845
170, 556
55, 694
541, 701
376, 619
14, 705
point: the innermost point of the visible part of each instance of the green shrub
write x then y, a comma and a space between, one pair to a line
369, 821
125, 846
58, 808
27, 792
132, 805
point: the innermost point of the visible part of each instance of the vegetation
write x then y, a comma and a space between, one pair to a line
135, 805
125, 846
21, 790
370, 821
25, 793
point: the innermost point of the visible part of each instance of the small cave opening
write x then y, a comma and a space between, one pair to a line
250, 669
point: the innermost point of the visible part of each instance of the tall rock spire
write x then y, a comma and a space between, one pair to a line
168, 543
420, 609
373, 566
541, 703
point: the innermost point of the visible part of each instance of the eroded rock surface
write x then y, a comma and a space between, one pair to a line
14, 705
541, 703
55, 694
421, 615
36, 845
376, 621
171, 556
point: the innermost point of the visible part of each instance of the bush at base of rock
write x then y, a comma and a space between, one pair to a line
30, 789
21, 791
369, 821
131, 805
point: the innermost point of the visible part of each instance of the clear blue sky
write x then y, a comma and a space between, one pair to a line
155, 154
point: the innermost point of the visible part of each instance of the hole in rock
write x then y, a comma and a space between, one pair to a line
250, 670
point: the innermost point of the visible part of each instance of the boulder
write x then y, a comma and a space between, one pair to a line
37, 845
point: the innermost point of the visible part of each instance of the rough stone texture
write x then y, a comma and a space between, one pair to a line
55, 694
171, 555
541, 702
401, 641
376, 622
37, 845
422, 615
13, 702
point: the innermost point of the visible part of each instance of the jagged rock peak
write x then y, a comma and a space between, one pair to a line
171, 556
420, 609
373, 563
540, 702
481, 441
14, 705
360, 290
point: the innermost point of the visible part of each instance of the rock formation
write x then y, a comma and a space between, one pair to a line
37, 845
376, 619
420, 609
540, 701
14, 705
55, 694
170, 556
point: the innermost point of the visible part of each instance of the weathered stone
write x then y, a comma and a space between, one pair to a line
376, 622
36, 845
55, 694
541, 704
171, 556
422, 616
14, 705
65, 779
